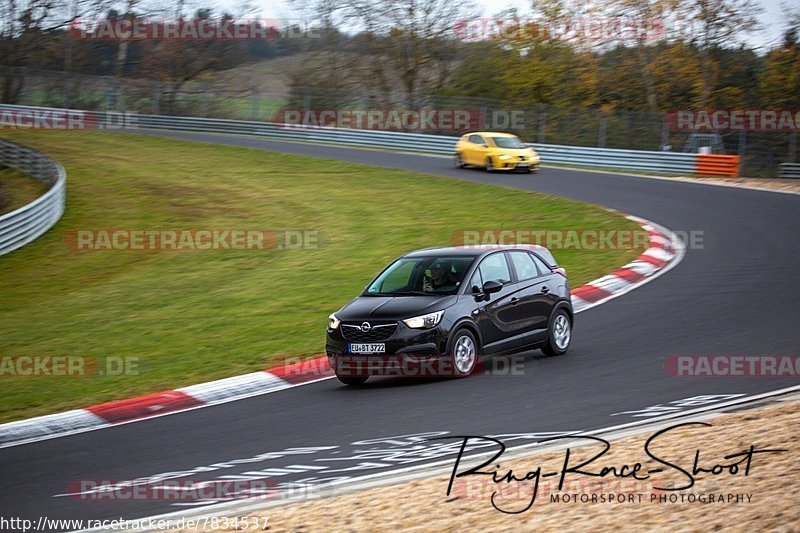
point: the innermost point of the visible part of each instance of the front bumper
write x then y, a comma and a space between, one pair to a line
409, 353
517, 164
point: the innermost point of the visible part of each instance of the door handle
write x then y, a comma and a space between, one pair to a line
514, 300
545, 289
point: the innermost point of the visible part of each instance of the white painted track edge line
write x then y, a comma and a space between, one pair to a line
184, 410
364, 482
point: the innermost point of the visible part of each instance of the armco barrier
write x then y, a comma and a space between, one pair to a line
25, 224
717, 165
632, 160
661, 162
789, 170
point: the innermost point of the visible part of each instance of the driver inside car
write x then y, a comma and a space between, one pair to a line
441, 277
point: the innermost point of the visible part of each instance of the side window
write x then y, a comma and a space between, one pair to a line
495, 268
543, 268
476, 282
476, 139
524, 265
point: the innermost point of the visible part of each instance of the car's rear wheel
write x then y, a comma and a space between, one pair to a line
353, 381
464, 353
559, 334
459, 160
489, 165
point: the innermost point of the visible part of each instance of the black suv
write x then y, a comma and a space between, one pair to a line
437, 311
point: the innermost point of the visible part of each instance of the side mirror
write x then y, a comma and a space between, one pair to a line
491, 287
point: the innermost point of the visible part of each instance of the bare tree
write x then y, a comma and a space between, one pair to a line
27, 27
646, 15
791, 35
401, 46
327, 65
23, 27
715, 24
417, 42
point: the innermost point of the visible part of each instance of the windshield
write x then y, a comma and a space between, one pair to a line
421, 276
508, 142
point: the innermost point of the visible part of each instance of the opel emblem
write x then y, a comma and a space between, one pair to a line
365, 327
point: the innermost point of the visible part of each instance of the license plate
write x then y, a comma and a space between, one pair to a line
522, 165
368, 348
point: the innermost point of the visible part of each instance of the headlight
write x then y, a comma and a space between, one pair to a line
333, 322
504, 157
424, 321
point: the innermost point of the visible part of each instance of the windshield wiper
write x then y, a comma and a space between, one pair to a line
399, 293
414, 293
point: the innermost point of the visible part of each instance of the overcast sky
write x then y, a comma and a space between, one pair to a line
772, 19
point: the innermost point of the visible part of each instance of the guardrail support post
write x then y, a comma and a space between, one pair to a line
742, 149
542, 125
157, 99
601, 134
254, 103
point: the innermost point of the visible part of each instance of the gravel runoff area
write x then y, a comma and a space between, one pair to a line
763, 500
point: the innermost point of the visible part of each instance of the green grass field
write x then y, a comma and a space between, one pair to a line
17, 189
192, 316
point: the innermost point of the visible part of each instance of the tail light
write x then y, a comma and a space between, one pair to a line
560, 270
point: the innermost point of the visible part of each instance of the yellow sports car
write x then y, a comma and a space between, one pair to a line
495, 151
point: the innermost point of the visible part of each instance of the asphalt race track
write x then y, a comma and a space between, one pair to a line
737, 295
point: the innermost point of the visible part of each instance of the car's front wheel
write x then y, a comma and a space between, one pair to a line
463, 352
353, 381
559, 334
489, 165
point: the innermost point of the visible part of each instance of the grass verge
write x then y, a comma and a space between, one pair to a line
17, 190
195, 316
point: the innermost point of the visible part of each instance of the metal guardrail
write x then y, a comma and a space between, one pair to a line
632, 160
661, 162
23, 225
386, 140
789, 170
666, 162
